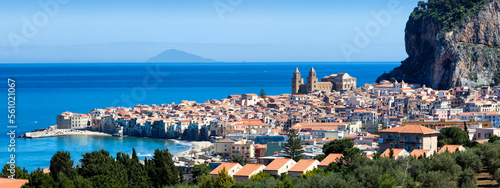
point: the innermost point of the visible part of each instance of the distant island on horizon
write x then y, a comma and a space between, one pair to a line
177, 56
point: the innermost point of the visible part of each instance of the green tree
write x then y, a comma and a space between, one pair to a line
312, 172
260, 175
421, 5
199, 170
337, 146
102, 170
206, 181
224, 179
263, 94
453, 135
242, 161
61, 163
18, 172
387, 181
39, 179
293, 148
135, 170
162, 169
493, 138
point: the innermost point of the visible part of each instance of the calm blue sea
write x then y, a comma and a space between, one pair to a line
46, 90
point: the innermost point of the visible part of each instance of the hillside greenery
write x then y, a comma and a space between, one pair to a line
99, 169
449, 12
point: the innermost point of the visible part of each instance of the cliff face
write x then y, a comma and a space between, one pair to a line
466, 55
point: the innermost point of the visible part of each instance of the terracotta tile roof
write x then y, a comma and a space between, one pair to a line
227, 165
450, 148
419, 152
277, 164
248, 169
302, 165
332, 157
397, 151
10, 183
417, 129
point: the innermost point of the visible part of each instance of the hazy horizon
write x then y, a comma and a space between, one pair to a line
223, 30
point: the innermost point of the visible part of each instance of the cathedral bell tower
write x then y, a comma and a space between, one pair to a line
297, 81
312, 81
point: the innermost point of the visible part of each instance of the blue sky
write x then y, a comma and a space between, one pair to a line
225, 30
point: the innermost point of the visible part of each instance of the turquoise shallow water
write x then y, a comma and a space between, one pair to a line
34, 153
48, 89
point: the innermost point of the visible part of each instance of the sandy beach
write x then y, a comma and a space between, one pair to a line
197, 147
63, 132
87, 133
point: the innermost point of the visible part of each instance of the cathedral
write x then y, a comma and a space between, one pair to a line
337, 82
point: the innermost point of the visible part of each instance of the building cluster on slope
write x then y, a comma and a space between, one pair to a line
376, 117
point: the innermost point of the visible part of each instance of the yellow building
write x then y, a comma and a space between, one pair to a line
223, 147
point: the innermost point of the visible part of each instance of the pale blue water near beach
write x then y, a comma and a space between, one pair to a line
46, 90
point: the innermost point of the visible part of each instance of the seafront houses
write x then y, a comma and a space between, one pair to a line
303, 166
409, 137
331, 158
68, 120
279, 166
248, 170
231, 169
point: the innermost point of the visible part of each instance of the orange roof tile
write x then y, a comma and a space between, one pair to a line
449, 148
10, 183
417, 129
277, 163
419, 152
302, 165
223, 165
332, 157
248, 169
396, 151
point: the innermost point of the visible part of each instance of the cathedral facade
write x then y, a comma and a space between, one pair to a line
337, 82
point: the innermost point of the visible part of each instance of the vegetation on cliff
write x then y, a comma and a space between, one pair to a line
449, 12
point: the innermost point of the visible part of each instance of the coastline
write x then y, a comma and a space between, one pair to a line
61, 132
196, 147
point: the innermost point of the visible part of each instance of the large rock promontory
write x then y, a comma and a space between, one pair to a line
444, 55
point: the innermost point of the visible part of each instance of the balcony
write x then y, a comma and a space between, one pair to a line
411, 141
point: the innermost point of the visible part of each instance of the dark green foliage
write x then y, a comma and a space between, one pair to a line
102, 169
263, 94
61, 163
199, 170
39, 179
19, 173
353, 170
449, 12
162, 170
493, 138
469, 160
241, 160
293, 148
467, 178
453, 135
337, 146
436, 179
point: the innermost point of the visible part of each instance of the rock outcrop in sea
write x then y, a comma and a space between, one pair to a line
445, 51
